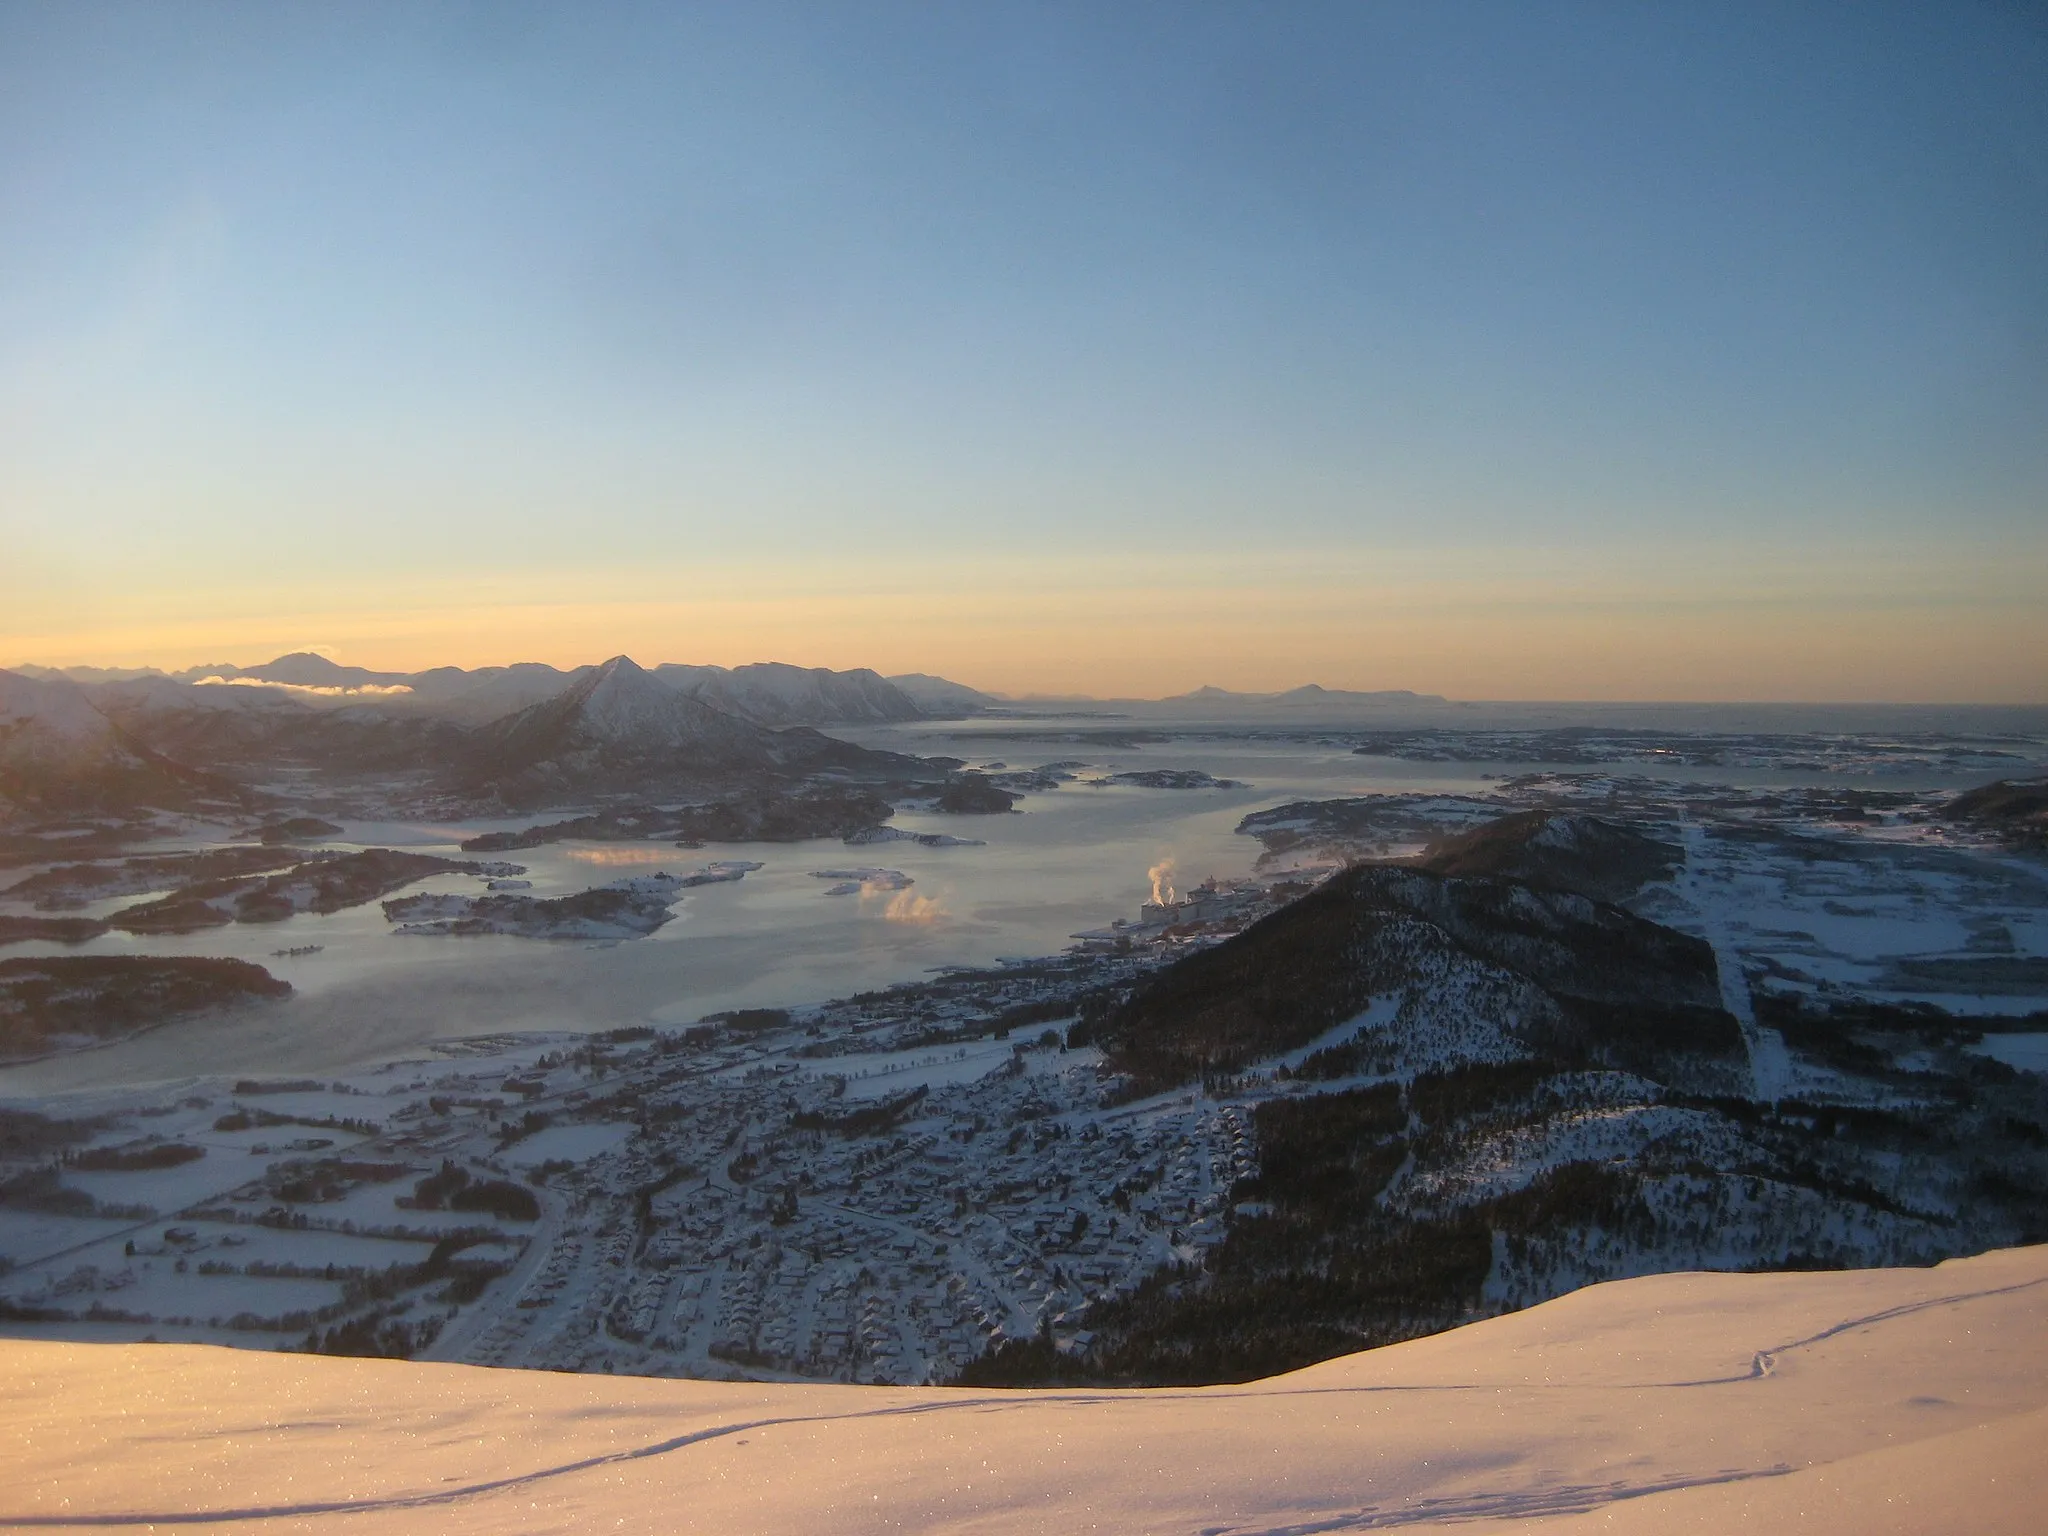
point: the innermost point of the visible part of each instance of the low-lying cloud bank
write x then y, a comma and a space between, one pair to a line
315, 690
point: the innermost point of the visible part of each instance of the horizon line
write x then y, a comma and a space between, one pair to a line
1419, 696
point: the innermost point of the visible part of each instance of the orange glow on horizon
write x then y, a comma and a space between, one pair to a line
1534, 627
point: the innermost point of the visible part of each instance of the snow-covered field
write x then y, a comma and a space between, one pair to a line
1860, 1402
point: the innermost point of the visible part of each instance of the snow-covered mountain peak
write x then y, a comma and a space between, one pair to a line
623, 703
54, 708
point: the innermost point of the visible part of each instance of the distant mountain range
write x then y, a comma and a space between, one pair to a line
521, 736
770, 693
1308, 695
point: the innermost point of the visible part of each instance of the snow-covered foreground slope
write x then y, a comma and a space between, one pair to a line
1869, 1401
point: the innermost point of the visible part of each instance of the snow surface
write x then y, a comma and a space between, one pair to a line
1867, 1401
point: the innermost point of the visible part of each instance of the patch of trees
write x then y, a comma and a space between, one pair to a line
324, 883
1287, 979
1627, 992
452, 1187
381, 1331
1861, 1036
1557, 851
109, 995
1345, 1059
12, 1311
1330, 1152
1442, 1098
49, 930
377, 1335
759, 816
971, 794
1316, 1265
167, 1154
532, 1123
751, 1021
1321, 1269
24, 1133
74, 885
43, 1189
311, 1187
332, 1178
243, 1118
1574, 1196
1034, 1362
869, 1120
1023, 1015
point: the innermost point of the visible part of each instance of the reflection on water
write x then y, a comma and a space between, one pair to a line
909, 907
666, 854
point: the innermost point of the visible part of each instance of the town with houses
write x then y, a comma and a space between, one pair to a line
878, 1189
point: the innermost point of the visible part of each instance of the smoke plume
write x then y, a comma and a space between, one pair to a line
1163, 892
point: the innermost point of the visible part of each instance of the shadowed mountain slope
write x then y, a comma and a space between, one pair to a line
301, 669
1562, 974
1463, 1094
942, 697
256, 731
1559, 851
2017, 808
622, 730
60, 756
774, 693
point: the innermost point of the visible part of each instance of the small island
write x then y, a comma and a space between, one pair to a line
69, 1002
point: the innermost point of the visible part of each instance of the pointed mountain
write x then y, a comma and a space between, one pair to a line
300, 669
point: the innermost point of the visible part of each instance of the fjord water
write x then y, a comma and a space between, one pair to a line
1072, 858
1069, 859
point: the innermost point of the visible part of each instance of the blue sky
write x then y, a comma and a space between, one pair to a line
1066, 346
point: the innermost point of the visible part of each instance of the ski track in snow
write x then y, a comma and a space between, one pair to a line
1562, 1497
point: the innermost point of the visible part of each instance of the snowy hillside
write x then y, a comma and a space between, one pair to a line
617, 721
940, 697
1864, 1402
620, 729
58, 754
775, 693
